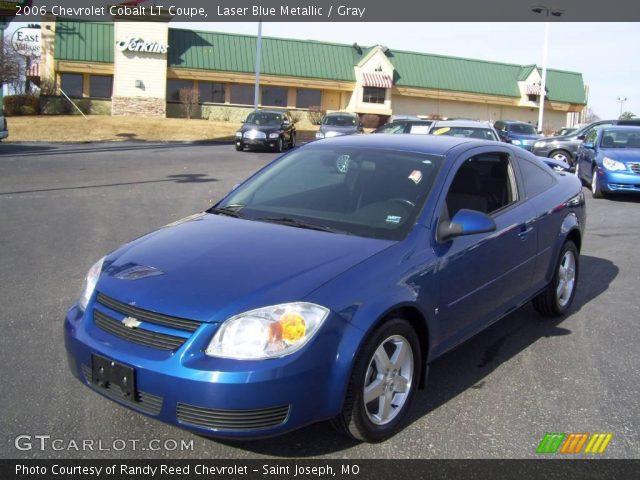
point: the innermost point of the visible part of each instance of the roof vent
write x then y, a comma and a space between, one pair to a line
384, 48
357, 47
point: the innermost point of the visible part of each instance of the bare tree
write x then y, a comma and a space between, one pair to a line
189, 99
10, 65
591, 116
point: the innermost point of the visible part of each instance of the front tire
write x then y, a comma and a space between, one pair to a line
280, 145
562, 155
240, 147
556, 299
596, 188
292, 144
383, 383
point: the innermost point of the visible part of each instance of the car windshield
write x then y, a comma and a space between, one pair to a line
469, 132
627, 138
359, 191
391, 128
340, 120
264, 118
522, 128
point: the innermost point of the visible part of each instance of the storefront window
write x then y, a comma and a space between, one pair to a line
211, 92
373, 95
306, 97
242, 94
100, 86
71, 84
174, 87
274, 96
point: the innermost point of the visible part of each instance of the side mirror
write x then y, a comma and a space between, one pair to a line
589, 145
465, 222
242, 121
285, 122
580, 137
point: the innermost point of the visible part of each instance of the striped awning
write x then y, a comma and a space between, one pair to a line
34, 71
379, 80
533, 89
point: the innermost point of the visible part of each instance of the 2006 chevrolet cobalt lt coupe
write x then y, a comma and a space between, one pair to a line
323, 286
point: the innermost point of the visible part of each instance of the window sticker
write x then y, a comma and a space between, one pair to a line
394, 219
442, 130
415, 176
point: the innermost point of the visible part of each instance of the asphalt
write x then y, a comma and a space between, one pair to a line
64, 206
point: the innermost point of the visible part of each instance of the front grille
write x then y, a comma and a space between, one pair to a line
147, 316
634, 166
215, 419
145, 402
139, 335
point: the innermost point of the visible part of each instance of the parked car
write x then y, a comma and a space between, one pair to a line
518, 133
339, 123
464, 128
272, 129
416, 127
609, 160
402, 117
324, 285
4, 128
565, 148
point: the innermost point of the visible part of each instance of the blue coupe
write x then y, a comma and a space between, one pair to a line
324, 285
609, 160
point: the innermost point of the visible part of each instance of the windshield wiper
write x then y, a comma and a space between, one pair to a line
292, 222
229, 211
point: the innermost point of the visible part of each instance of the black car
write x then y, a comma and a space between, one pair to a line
419, 127
564, 148
272, 129
336, 124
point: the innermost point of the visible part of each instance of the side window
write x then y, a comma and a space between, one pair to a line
485, 183
536, 178
591, 136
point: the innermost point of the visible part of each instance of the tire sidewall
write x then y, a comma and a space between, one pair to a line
569, 245
372, 432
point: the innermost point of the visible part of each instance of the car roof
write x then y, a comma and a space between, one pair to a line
268, 111
333, 114
430, 144
620, 127
462, 123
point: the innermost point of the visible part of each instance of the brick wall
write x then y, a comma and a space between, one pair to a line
140, 106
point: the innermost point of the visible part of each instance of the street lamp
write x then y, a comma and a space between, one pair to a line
547, 12
622, 101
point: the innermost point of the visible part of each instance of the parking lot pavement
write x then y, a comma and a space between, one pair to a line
64, 206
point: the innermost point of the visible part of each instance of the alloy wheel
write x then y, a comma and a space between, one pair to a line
566, 278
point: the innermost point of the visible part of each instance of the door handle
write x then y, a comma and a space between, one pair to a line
525, 233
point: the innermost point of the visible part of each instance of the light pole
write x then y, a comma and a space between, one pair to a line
256, 92
622, 101
547, 12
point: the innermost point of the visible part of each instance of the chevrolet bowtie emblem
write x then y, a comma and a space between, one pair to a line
131, 322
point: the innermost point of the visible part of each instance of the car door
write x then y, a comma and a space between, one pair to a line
585, 157
483, 276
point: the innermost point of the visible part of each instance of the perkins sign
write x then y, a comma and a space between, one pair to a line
137, 44
26, 42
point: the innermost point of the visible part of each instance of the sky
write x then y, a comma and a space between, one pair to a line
605, 53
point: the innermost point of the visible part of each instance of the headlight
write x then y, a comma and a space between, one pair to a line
331, 134
319, 135
516, 142
274, 135
238, 134
613, 165
267, 332
89, 284
539, 144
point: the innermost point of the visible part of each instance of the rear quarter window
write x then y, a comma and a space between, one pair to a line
535, 177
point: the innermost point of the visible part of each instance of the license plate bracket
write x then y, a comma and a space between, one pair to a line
106, 373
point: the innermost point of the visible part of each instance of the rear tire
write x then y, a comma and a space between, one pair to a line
563, 156
383, 383
556, 299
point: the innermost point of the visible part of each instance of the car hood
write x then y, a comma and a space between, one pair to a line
211, 267
520, 136
559, 139
339, 130
622, 154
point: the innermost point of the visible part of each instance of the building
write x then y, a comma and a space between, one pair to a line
138, 68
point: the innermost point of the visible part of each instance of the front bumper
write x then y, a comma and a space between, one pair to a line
619, 182
257, 142
221, 397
